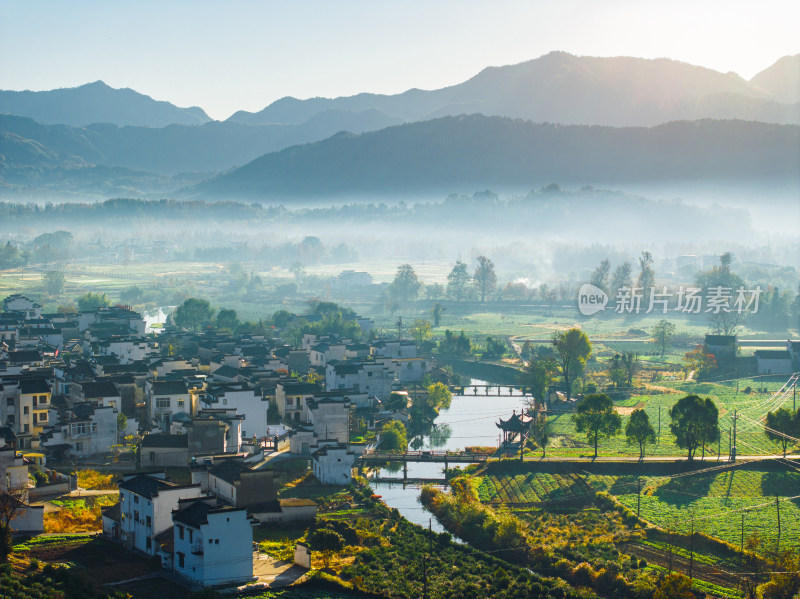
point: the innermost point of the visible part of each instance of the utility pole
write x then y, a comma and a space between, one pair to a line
741, 546
691, 549
638, 496
778, 509
670, 533
733, 447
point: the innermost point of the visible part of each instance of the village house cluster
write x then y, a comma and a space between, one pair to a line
86, 387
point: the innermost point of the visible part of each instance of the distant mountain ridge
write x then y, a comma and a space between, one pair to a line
212, 147
782, 79
97, 103
476, 152
567, 89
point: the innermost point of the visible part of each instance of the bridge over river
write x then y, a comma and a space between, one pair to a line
439, 457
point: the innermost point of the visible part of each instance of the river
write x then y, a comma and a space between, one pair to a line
469, 421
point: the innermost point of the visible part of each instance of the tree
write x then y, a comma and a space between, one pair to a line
663, 333
572, 350
640, 431
675, 586
405, 286
781, 425
281, 319
394, 437
647, 277
595, 416
600, 275
540, 433
426, 407
193, 314
227, 319
485, 278
630, 362
538, 376
53, 282
621, 278
437, 312
90, 301
458, 281
616, 371
13, 503
327, 542
700, 361
421, 331
435, 291
694, 422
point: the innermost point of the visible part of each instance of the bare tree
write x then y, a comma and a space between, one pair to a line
13, 504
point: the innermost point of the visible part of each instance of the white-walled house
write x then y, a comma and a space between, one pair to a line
333, 465
13, 469
166, 398
362, 376
412, 370
101, 393
87, 429
127, 350
291, 396
248, 403
213, 544
328, 418
146, 505
161, 449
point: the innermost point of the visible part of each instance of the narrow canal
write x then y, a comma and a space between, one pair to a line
469, 422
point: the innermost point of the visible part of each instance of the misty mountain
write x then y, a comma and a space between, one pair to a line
567, 89
97, 103
212, 147
781, 80
475, 152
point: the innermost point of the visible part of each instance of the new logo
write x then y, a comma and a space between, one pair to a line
591, 299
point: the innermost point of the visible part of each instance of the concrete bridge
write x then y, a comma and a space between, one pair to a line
439, 457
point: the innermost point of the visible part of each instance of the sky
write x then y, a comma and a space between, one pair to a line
244, 54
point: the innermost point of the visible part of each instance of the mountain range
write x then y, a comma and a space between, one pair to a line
567, 89
83, 139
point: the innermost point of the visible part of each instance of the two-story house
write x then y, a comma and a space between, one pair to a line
146, 505
213, 544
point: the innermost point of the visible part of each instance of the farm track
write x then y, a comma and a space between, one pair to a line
708, 573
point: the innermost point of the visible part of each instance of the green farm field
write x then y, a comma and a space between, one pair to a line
729, 396
716, 499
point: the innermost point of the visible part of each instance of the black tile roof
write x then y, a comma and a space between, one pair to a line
169, 388
229, 470
146, 486
34, 386
95, 389
165, 440
196, 513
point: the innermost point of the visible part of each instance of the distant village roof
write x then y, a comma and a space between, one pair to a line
27, 386
227, 372
97, 389
169, 388
773, 354
162, 440
24, 356
229, 470
720, 340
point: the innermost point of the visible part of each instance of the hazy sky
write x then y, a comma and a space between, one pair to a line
239, 54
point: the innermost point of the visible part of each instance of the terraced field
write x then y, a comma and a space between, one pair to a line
539, 488
716, 500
